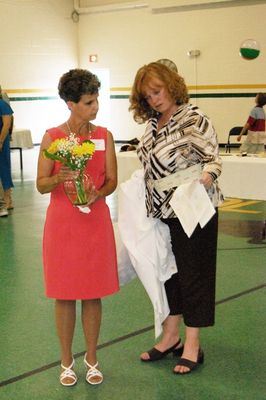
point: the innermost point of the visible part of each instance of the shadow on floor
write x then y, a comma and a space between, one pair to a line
254, 230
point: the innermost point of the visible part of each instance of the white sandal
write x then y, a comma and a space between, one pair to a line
92, 373
68, 373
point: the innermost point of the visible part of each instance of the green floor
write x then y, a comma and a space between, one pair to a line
235, 350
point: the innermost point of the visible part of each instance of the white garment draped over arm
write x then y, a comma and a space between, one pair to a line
148, 243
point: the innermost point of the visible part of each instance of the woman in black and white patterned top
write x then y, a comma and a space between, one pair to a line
177, 136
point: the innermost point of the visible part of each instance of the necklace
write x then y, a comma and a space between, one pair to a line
88, 126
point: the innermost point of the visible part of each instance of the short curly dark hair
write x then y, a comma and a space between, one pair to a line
77, 82
173, 82
261, 99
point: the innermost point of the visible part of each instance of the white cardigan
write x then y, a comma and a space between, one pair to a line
147, 241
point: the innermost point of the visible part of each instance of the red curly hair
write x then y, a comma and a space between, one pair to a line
171, 80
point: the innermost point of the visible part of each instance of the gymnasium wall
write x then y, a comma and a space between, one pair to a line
220, 82
40, 41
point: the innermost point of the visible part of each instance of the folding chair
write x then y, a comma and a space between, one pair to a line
235, 131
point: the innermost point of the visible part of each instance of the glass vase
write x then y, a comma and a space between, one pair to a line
78, 189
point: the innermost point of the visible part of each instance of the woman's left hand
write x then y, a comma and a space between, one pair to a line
93, 195
206, 179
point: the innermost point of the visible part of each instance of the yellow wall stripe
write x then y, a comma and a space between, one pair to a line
128, 89
206, 87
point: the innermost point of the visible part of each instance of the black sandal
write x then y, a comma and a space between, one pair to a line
192, 365
156, 354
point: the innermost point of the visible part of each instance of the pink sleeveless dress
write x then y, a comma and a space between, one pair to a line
79, 254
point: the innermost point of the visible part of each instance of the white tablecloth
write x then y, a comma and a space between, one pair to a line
242, 177
127, 162
21, 138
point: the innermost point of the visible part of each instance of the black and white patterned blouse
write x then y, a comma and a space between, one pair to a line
188, 139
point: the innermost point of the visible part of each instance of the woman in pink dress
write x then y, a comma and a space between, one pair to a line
79, 253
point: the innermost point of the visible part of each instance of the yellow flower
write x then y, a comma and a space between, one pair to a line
70, 152
84, 149
56, 145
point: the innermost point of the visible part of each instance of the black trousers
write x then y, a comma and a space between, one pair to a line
191, 291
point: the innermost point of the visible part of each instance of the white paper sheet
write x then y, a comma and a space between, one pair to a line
192, 205
85, 210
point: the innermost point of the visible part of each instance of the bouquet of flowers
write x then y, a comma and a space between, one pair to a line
69, 151
74, 154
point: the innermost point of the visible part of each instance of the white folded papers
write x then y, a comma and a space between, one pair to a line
85, 210
192, 205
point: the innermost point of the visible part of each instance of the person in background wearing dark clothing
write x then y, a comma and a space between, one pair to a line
6, 120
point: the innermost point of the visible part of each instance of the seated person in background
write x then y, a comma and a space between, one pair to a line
134, 141
128, 147
255, 128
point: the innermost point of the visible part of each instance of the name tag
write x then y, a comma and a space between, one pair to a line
178, 178
99, 144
